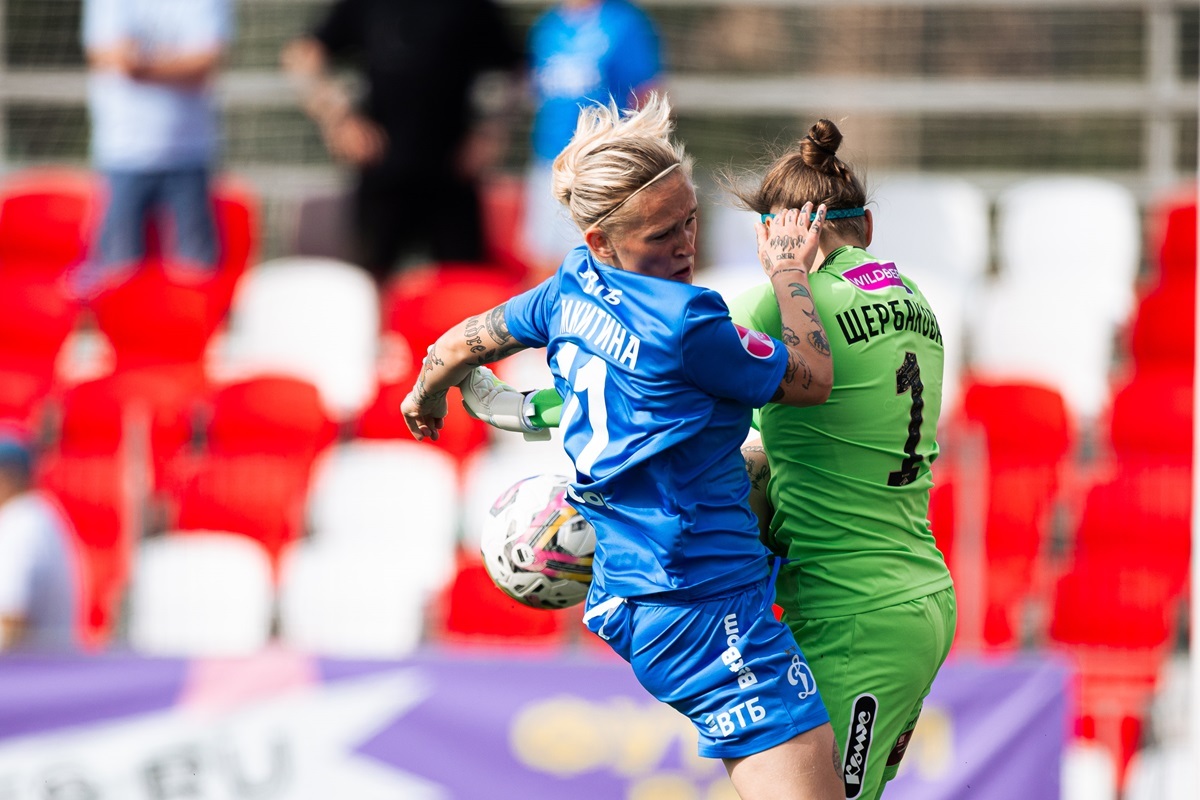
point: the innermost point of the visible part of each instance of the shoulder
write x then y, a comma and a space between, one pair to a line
29, 517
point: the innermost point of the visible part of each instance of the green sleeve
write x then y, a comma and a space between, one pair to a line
547, 408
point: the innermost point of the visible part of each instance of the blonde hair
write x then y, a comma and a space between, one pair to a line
613, 155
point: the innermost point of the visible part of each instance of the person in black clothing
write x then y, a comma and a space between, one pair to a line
416, 140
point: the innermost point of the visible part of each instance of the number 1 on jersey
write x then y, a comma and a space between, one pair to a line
908, 379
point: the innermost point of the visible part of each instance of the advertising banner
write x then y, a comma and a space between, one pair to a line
449, 725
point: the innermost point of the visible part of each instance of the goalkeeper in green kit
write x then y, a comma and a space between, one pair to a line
841, 489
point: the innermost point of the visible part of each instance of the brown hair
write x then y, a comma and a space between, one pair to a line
809, 171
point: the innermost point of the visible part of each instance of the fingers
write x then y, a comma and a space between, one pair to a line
789, 240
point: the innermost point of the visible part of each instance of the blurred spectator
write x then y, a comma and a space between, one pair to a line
581, 51
415, 139
39, 576
155, 132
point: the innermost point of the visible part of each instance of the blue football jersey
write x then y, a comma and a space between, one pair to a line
658, 386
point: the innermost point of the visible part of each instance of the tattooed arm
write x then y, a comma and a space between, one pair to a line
759, 472
475, 341
787, 247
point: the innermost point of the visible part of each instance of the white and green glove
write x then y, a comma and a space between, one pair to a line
490, 399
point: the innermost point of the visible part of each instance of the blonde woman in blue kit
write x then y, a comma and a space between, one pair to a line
659, 386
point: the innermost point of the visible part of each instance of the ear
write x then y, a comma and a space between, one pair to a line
600, 245
870, 228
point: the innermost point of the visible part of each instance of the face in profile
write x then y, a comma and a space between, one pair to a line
660, 238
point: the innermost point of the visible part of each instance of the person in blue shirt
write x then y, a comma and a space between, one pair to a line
659, 387
155, 133
581, 52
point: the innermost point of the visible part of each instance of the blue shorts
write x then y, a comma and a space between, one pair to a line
725, 663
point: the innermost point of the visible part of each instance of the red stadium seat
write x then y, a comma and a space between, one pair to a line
461, 437
1118, 626
1150, 416
35, 321
46, 219
1171, 224
252, 476
421, 304
258, 496
503, 202
1162, 333
152, 319
96, 493
1029, 433
1141, 519
271, 415
474, 611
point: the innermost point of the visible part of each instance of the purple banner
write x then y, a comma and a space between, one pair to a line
455, 725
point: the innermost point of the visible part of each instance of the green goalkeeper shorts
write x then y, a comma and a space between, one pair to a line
874, 671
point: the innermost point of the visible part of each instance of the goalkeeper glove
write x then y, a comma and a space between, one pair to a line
490, 399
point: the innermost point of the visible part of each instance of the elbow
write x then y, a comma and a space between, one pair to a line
804, 384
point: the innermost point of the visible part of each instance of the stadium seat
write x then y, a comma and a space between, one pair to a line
381, 419
35, 322
1029, 433
1097, 273
95, 492
201, 594
1162, 332
252, 474
47, 215
1042, 266
270, 413
473, 611
1171, 239
502, 200
1117, 625
934, 227
350, 602
313, 318
158, 330
1150, 415
397, 499
149, 415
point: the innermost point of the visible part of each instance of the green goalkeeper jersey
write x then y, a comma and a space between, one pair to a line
850, 479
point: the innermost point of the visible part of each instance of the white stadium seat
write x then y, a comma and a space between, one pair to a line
201, 593
351, 603
310, 317
396, 498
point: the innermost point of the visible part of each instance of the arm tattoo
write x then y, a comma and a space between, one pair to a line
818, 341
500, 342
789, 337
800, 290
758, 473
798, 371
497, 327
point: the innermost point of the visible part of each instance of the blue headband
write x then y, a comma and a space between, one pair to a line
833, 213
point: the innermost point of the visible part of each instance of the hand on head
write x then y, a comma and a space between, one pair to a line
788, 241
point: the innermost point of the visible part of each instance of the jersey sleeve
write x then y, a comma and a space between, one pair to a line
528, 314
636, 61
728, 360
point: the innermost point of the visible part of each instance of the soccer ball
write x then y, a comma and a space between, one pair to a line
536, 547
